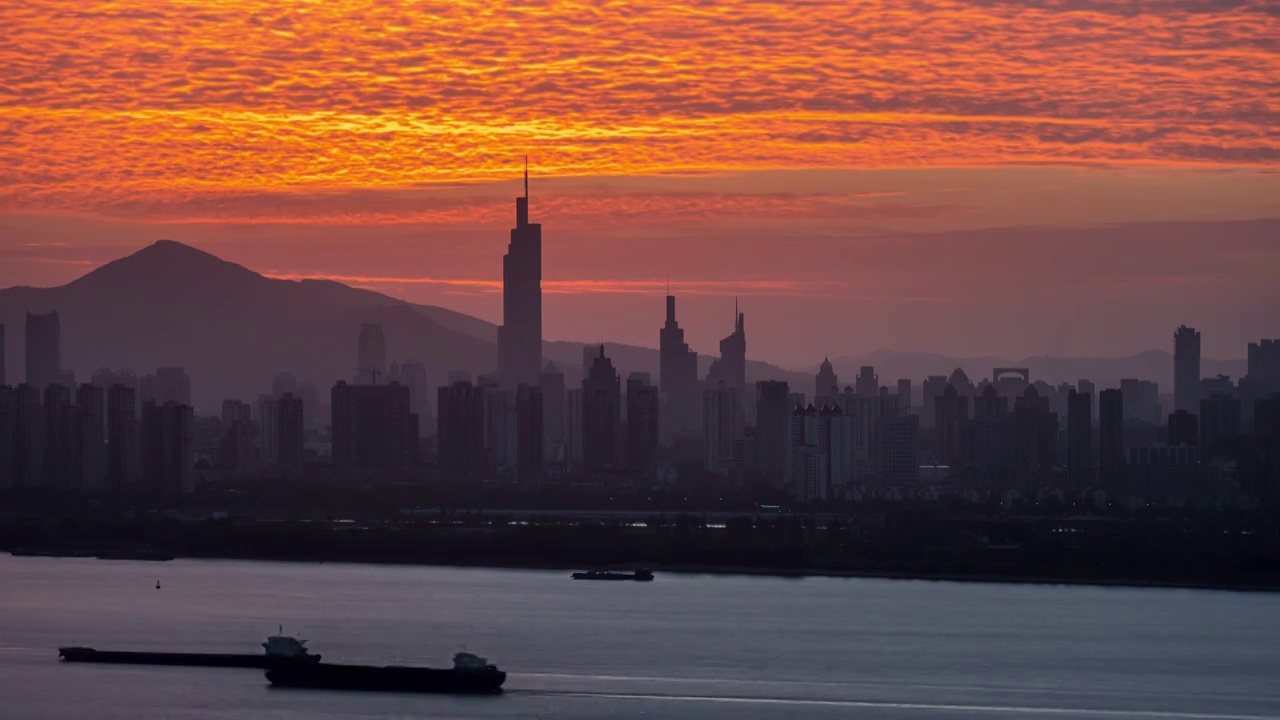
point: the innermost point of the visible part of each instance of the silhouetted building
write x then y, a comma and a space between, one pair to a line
371, 354
372, 426
867, 383
575, 430
951, 413
1141, 400
731, 366
1184, 429
1036, 438
413, 375
601, 415
530, 440
167, 449
1186, 369
43, 349
1110, 438
57, 444
1079, 440
1264, 365
551, 380
122, 437
520, 336
826, 383
904, 393
990, 404
289, 429
29, 444
461, 410
677, 374
642, 424
773, 431
898, 462
8, 437
284, 382
4, 378
721, 426
1219, 421
822, 452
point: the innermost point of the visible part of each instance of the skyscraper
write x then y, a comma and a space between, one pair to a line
1184, 428
601, 414
553, 410
867, 383
826, 383
3, 379
642, 423
44, 349
460, 407
1186, 369
731, 366
677, 374
951, 412
122, 437
371, 354
372, 426
289, 429
520, 336
1110, 438
8, 436
1079, 439
168, 452
413, 375
721, 426
773, 431
530, 442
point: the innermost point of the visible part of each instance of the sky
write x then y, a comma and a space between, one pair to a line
1024, 177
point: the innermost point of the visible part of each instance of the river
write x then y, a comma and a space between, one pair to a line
683, 646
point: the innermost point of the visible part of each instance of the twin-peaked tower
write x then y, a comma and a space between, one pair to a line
520, 336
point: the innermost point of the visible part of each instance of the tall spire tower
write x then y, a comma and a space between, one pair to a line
520, 336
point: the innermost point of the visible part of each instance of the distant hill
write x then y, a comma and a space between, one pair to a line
232, 329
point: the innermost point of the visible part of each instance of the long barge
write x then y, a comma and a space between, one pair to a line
281, 651
470, 674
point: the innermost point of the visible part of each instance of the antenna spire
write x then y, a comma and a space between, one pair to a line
526, 177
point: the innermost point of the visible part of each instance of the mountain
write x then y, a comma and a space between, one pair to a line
232, 329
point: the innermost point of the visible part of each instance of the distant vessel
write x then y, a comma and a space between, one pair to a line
641, 575
280, 651
470, 674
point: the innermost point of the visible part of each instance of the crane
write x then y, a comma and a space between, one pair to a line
373, 373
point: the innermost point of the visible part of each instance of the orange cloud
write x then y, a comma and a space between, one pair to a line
111, 103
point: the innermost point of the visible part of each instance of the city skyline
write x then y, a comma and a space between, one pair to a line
981, 191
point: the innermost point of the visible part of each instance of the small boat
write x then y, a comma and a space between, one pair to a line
470, 674
641, 575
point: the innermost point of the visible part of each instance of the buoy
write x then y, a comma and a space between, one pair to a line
157, 584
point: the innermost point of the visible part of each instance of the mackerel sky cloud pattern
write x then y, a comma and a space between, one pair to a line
112, 102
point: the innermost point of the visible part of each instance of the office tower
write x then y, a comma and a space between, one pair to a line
721, 426
601, 414
821, 448
520, 336
642, 424
269, 428
289, 429
500, 429
44, 349
951, 413
1184, 428
1035, 437
826, 383
461, 410
122, 437
897, 439
315, 412
1186, 369
904, 393
372, 426
773, 431
29, 437
168, 452
413, 375
8, 437
371, 355
106, 378
994, 441
1110, 438
731, 366
1219, 420
677, 374
284, 382
530, 435
867, 382
1079, 440
551, 380
575, 430
990, 403
1264, 365
92, 436
56, 443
